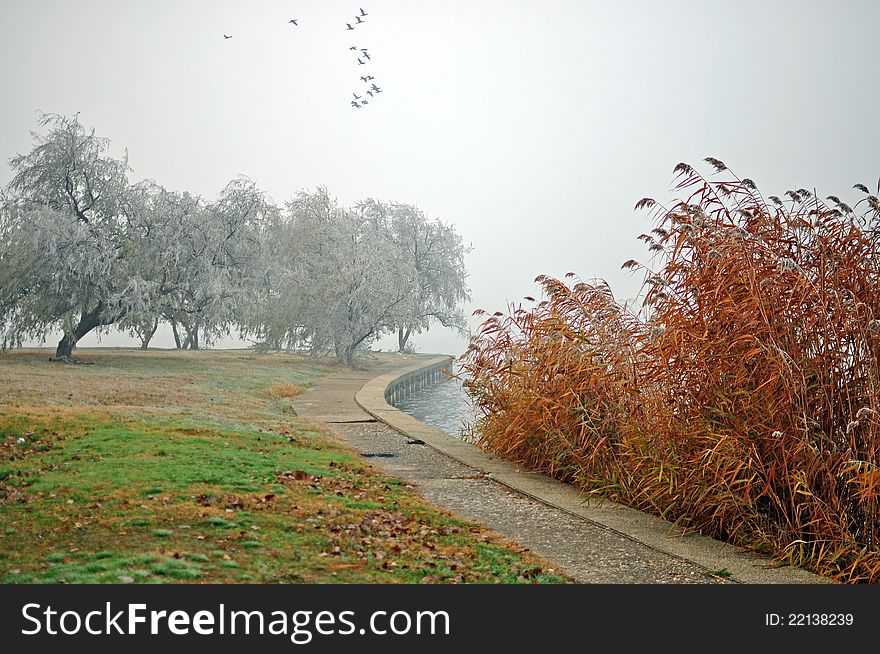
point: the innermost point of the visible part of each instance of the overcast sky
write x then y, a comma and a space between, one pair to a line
533, 127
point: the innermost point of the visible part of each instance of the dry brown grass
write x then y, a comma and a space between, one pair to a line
229, 382
285, 389
742, 401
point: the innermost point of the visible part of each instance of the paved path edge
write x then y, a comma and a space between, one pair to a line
661, 535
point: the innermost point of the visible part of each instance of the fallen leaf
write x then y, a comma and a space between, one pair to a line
344, 566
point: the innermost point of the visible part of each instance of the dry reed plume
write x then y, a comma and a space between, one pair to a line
740, 400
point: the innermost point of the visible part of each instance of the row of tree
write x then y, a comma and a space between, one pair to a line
82, 248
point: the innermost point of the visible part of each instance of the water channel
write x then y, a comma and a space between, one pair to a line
443, 405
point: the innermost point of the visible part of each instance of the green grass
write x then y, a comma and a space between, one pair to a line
722, 572
184, 467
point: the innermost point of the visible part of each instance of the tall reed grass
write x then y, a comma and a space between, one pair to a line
738, 399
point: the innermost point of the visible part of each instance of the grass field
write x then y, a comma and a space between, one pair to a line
170, 466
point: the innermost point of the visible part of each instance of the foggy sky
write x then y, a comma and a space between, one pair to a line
533, 127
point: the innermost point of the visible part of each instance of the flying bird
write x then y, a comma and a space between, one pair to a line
354, 47
358, 19
293, 20
356, 96
361, 62
375, 88
226, 36
370, 93
363, 13
348, 26
364, 102
366, 79
355, 104
366, 55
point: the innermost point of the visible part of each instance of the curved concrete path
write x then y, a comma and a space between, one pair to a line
592, 541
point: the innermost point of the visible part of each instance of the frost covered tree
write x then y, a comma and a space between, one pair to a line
201, 262
336, 283
340, 277
160, 249
219, 266
82, 249
63, 238
436, 253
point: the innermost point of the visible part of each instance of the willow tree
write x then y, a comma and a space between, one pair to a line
336, 279
160, 250
200, 265
435, 253
223, 272
63, 237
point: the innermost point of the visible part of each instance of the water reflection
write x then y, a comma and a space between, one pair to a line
443, 405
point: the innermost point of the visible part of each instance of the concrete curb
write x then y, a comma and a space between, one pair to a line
661, 535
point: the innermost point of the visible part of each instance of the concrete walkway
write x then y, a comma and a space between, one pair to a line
593, 542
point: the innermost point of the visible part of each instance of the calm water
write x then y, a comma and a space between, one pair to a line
443, 405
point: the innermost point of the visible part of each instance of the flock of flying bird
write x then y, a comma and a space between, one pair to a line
363, 56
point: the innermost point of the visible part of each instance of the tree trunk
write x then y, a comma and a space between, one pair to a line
65, 345
347, 352
191, 342
148, 334
87, 322
176, 334
402, 337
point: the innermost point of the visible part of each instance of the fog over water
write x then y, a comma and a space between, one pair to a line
533, 127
